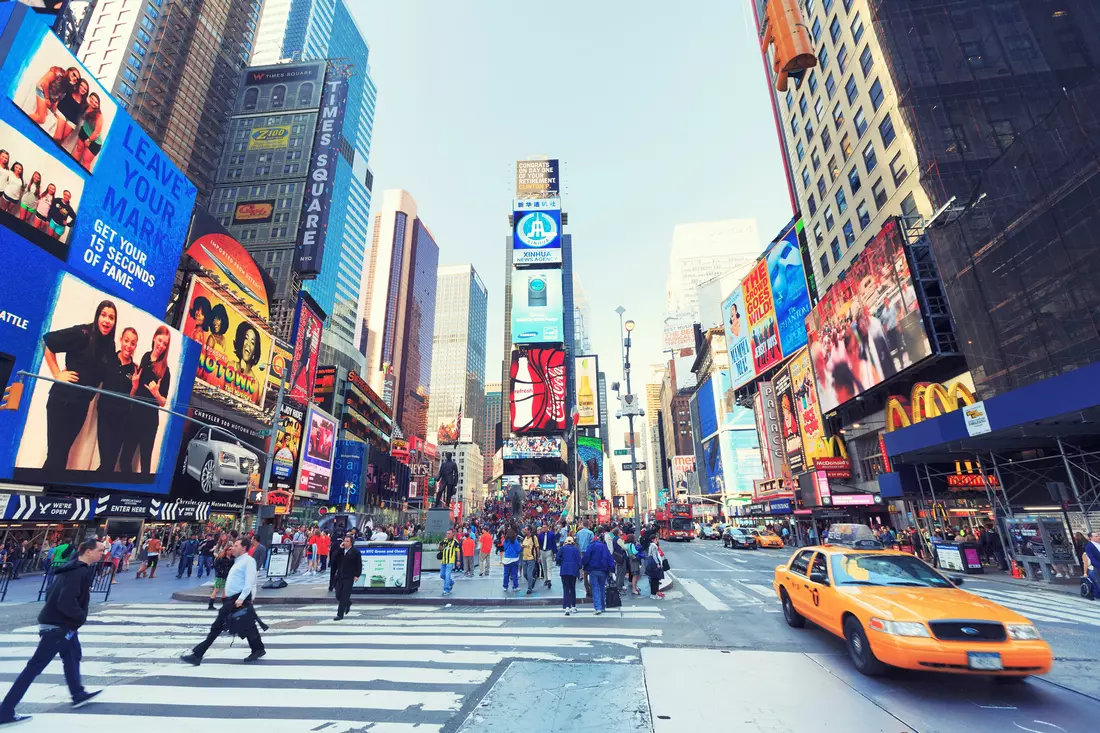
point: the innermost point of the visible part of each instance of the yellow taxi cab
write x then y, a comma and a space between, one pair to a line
768, 539
893, 609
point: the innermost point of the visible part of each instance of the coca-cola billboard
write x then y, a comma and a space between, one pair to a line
537, 390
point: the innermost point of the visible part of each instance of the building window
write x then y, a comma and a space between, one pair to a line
830, 221
811, 203
909, 213
284, 203
826, 140
870, 159
305, 93
838, 116
853, 180
954, 140
827, 6
800, 149
803, 105
815, 160
134, 61
144, 36
821, 188
823, 58
278, 96
846, 146
841, 201
857, 29
861, 122
851, 91
819, 109
824, 264
834, 170
974, 54
1003, 132
842, 59
812, 82
790, 99
263, 170
898, 169
849, 234
251, 98
834, 28
129, 75
886, 130
815, 30
819, 239
809, 129
863, 215
830, 86
879, 192
847, 5
805, 178
834, 247
876, 95
139, 49
291, 168
126, 90
866, 62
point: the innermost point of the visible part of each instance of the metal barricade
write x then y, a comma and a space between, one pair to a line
7, 570
103, 574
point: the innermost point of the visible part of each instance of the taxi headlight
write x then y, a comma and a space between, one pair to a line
1022, 632
900, 628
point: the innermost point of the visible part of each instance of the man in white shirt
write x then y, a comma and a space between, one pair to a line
239, 589
299, 548
379, 535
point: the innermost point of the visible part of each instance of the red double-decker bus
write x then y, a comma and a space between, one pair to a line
675, 522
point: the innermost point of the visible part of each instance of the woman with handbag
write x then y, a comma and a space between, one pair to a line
655, 565
569, 558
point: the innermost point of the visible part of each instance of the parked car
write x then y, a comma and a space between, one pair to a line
708, 532
737, 538
218, 463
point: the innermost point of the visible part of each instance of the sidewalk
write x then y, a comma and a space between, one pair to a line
1068, 586
128, 590
475, 591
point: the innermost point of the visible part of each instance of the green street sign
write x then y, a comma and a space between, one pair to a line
622, 452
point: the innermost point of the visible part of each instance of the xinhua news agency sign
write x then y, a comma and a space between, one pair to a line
322, 174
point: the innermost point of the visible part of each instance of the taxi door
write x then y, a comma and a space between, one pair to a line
797, 583
824, 602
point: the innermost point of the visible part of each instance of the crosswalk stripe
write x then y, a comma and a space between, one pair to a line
258, 672
1057, 602
765, 590
353, 626
320, 697
79, 721
743, 597
649, 615
314, 639
225, 653
1047, 613
704, 597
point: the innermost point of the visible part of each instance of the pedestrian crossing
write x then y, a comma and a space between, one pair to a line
1047, 607
395, 669
719, 595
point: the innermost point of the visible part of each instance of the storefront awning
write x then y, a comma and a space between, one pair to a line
1029, 417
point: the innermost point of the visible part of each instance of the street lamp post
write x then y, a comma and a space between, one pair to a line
265, 484
629, 326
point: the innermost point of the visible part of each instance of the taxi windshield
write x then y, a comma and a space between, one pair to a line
885, 570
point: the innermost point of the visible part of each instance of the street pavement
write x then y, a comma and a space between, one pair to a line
716, 649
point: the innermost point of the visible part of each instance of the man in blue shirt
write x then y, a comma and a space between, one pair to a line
187, 555
238, 592
584, 539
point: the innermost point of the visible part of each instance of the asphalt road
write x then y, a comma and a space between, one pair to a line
723, 600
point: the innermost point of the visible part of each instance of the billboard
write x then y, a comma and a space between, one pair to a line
218, 466
683, 475
868, 326
587, 397
233, 349
760, 312
121, 226
254, 212
590, 454
537, 390
807, 412
313, 225
537, 179
741, 457
269, 138
227, 262
679, 339
789, 431
536, 237
348, 472
537, 307
708, 415
738, 344
714, 479
772, 455
324, 388
531, 446
317, 456
790, 297
306, 341
77, 334
288, 446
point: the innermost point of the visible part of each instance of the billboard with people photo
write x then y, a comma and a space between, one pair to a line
306, 340
228, 263
234, 349
319, 444
790, 296
760, 310
74, 436
39, 195
868, 325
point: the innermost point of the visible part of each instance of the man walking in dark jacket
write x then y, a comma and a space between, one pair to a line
351, 567
188, 550
335, 555
65, 612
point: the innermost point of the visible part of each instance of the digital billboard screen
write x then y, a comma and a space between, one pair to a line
288, 446
789, 432
537, 305
313, 224
867, 327
531, 446
306, 340
760, 310
590, 454
790, 297
227, 262
318, 450
536, 237
587, 398
218, 466
79, 335
537, 178
738, 343
537, 390
807, 411
233, 347
713, 476
121, 225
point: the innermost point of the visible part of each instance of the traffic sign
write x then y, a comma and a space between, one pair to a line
639, 466
622, 452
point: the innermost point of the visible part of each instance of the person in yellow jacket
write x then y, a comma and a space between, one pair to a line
530, 557
448, 554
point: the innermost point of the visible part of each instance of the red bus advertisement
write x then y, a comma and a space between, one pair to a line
675, 522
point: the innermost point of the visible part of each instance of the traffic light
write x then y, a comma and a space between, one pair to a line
13, 393
786, 29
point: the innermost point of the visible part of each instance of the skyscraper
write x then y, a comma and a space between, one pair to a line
582, 319
174, 66
702, 251
399, 310
311, 30
486, 431
458, 352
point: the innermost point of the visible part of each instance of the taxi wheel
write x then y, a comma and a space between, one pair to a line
793, 618
859, 649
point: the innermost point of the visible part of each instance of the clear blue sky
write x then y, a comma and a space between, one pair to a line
658, 112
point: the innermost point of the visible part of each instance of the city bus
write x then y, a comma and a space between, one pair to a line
675, 522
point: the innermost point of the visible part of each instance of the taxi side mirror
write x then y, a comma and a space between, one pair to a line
819, 577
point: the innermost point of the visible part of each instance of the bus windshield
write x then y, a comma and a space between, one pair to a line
682, 524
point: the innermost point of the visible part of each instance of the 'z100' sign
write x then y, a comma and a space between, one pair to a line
322, 174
